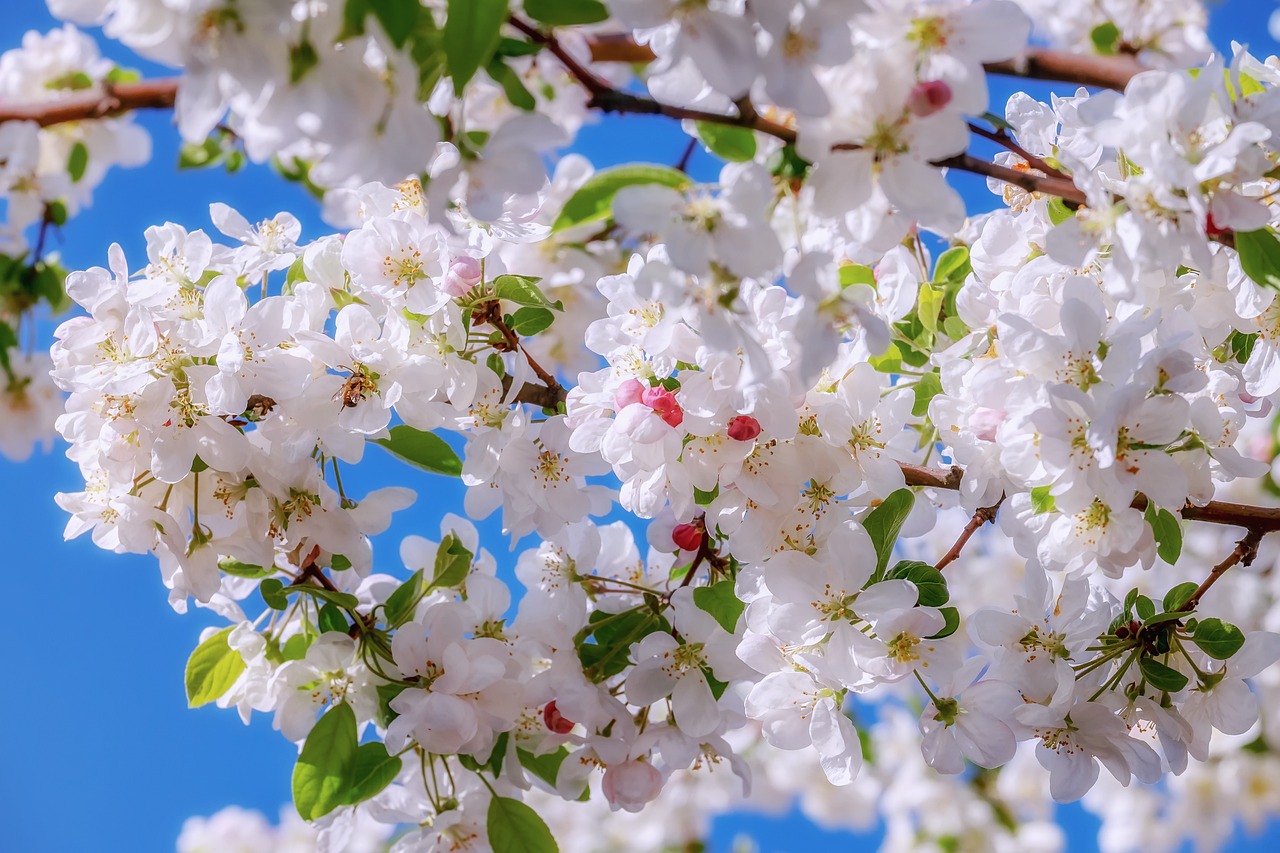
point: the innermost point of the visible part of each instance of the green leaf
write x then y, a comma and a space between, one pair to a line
117, 76
8, 341
295, 648
929, 582
424, 449
56, 211
387, 692
566, 13
883, 524
513, 827
1162, 618
302, 58
952, 617
546, 766
272, 590
397, 17
1260, 255
244, 570
1161, 677
953, 265
74, 81
471, 33
1168, 533
702, 498
212, 668
517, 93
1105, 37
375, 770
1042, 501
1059, 212
851, 274
929, 301
1176, 597
593, 201
341, 599
353, 14
523, 290
1145, 607
332, 618
77, 161
928, 387
453, 563
1217, 639
530, 320
200, 155
720, 601
326, 769
735, 144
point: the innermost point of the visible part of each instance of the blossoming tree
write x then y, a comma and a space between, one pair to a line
943, 514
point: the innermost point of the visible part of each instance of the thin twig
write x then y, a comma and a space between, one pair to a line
1246, 549
983, 516
159, 94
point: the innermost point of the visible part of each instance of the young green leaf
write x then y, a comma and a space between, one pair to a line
566, 13
1042, 501
326, 769
515, 828
1168, 533
244, 570
1161, 677
1217, 639
332, 618
523, 290
1176, 597
424, 449
212, 668
375, 770
471, 33
546, 766
272, 590
929, 582
530, 320
1260, 255
883, 524
952, 265
952, 622
593, 201
720, 601
78, 161
735, 144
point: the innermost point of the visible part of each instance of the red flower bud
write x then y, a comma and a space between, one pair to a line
743, 428
928, 97
556, 721
688, 537
664, 405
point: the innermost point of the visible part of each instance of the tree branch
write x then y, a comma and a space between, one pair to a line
1246, 549
145, 95
1259, 520
983, 516
1106, 72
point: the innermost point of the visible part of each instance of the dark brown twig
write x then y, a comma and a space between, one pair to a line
983, 516
1246, 549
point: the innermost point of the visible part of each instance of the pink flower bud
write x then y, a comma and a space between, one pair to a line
664, 405
556, 721
688, 537
630, 786
464, 273
928, 97
744, 428
628, 392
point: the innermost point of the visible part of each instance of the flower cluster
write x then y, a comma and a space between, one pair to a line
760, 367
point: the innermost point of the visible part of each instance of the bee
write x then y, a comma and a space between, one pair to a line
358, 386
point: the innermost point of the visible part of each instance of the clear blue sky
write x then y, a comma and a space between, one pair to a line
99, 751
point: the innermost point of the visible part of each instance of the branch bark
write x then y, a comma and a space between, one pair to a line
1259, 520
159, 94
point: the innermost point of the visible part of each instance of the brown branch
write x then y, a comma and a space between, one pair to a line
1064, 188
1106, 72
1007, 142
1255, 519
1246, 549
144, 95
983, 516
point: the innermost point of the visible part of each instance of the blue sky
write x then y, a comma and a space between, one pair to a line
100, 752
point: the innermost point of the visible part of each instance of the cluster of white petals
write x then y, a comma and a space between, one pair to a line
756, 370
